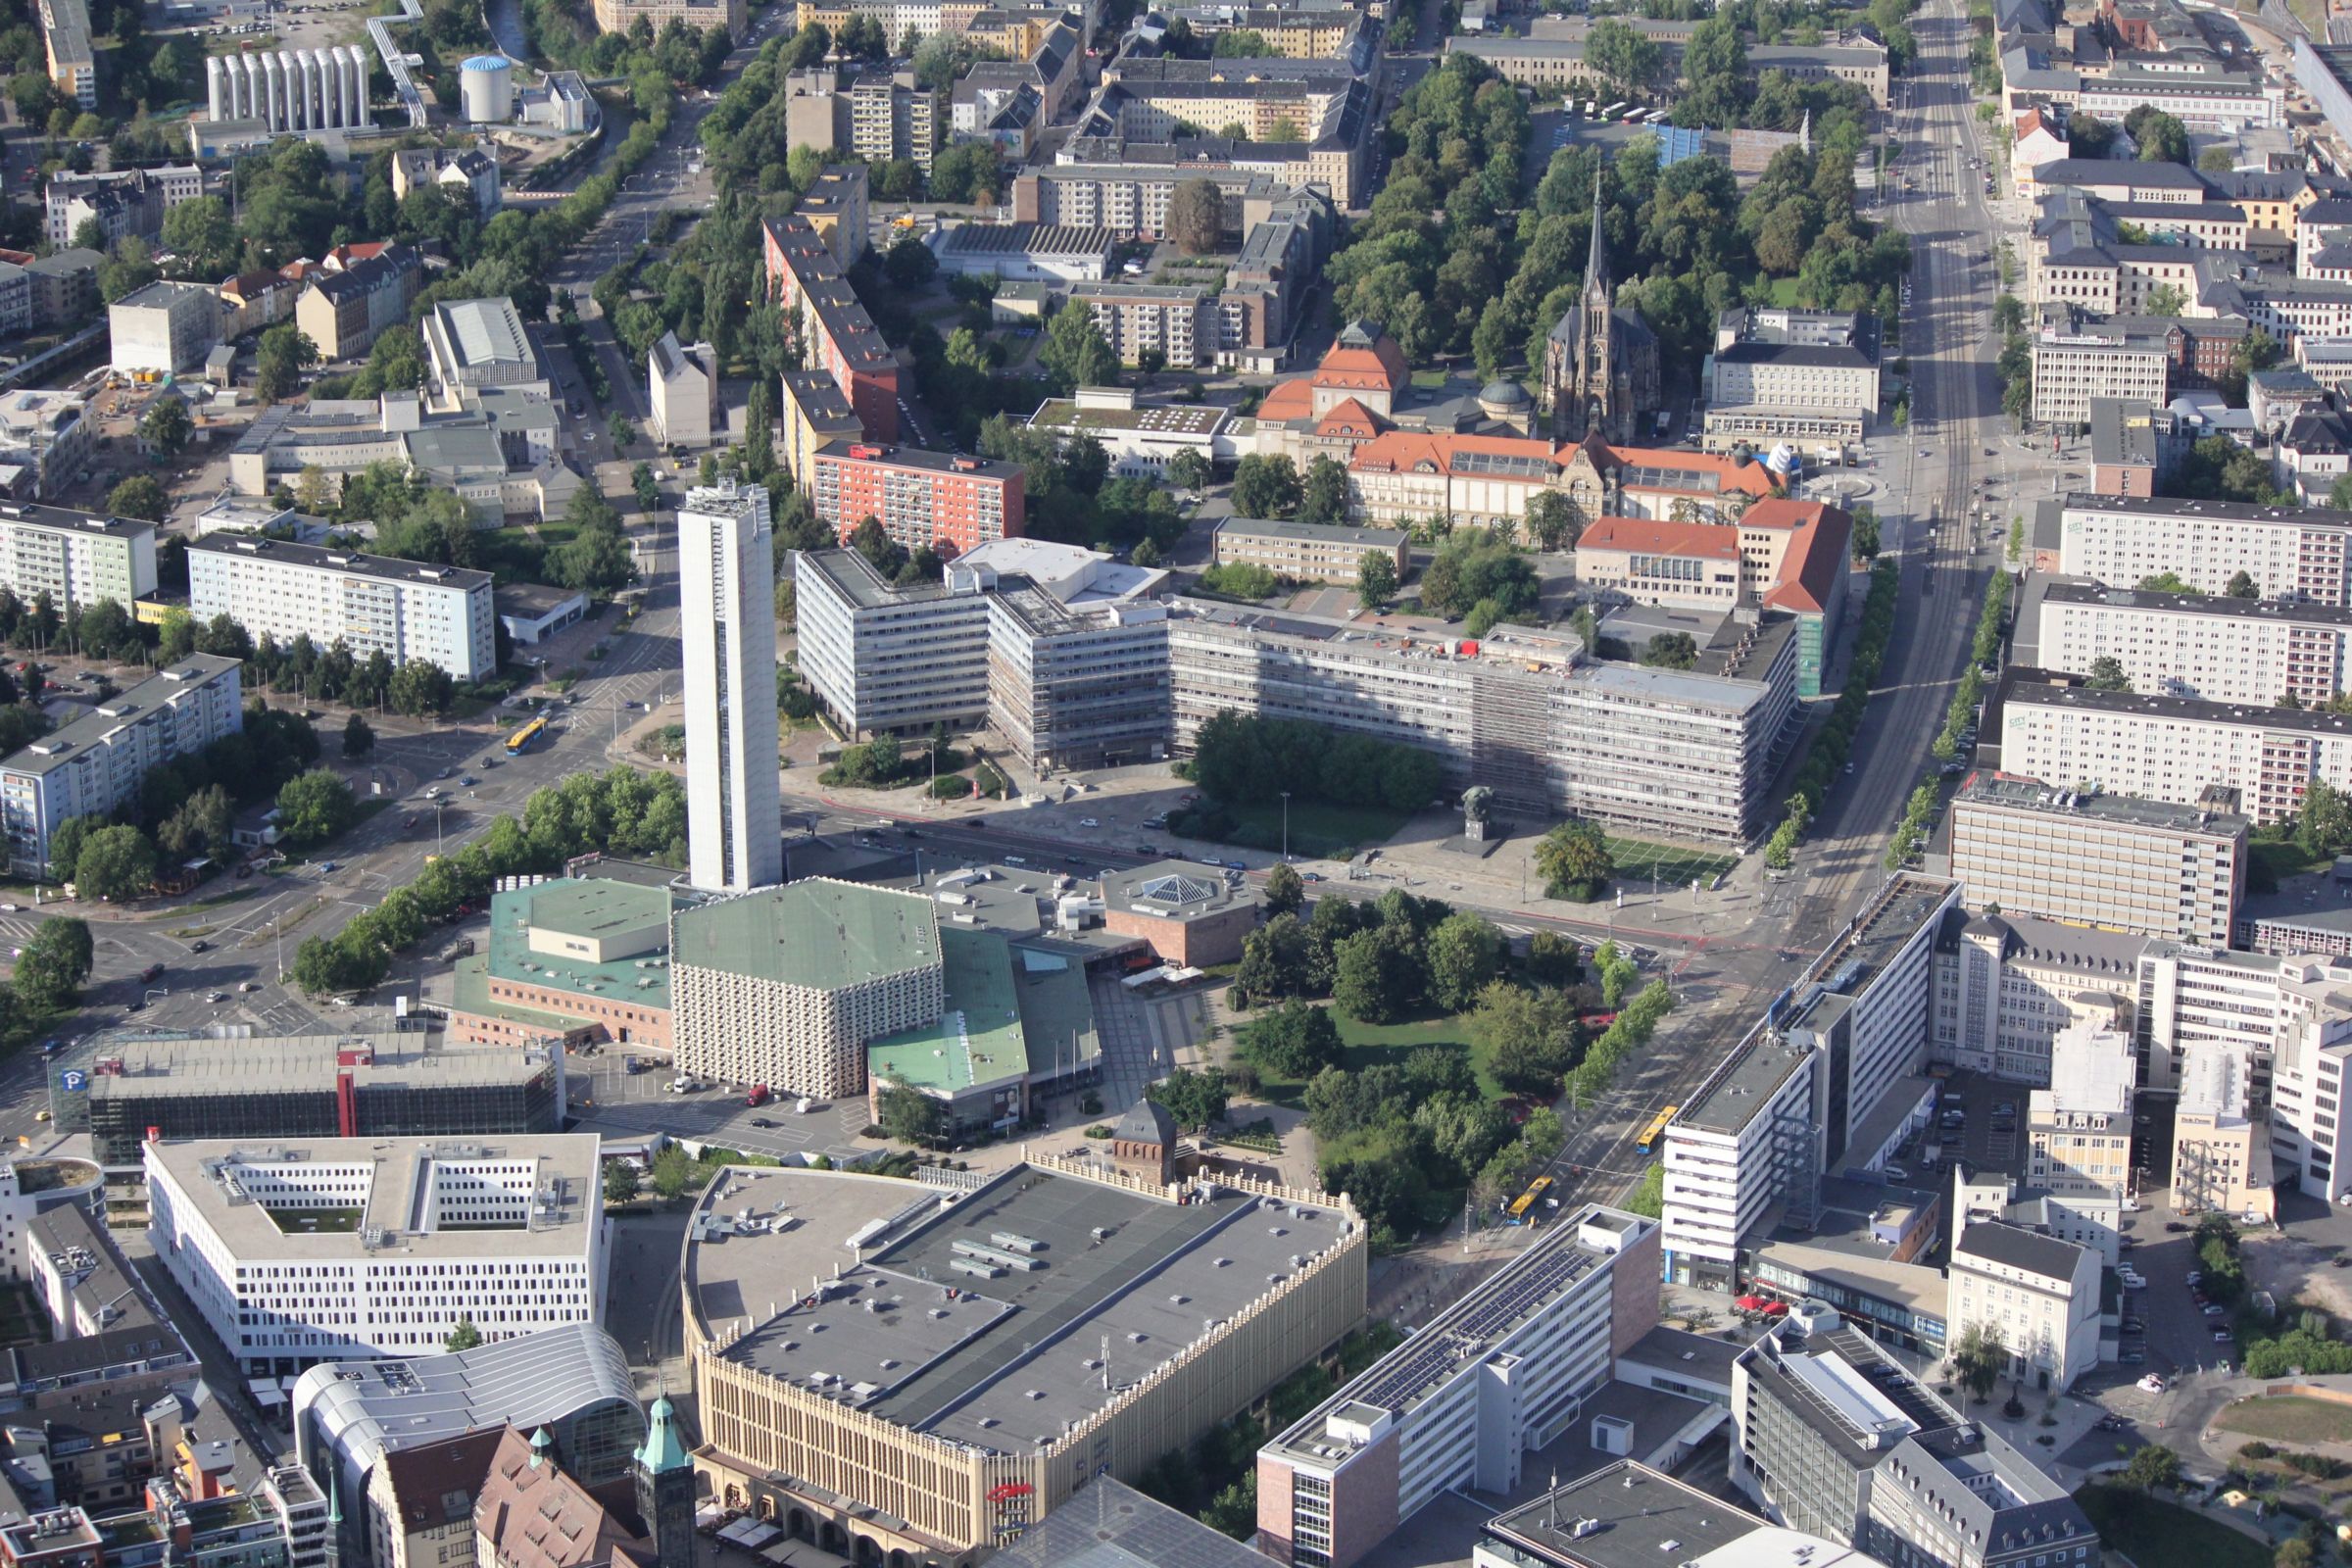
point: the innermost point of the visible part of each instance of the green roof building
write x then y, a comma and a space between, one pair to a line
583, 958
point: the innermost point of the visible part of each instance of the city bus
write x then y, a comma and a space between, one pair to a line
1525, 1203
1614, 109
1655, 1131
520, 741
1591, 109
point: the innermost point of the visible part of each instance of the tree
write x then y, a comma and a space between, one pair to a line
2295, 1552
1464, 953
420, 688
1671, 650
55, 961
1978, 1358
314, 807
1375, 974
966, 171
909, 1115
175, 635
1323, 492
2167, 299
203, 235
359, 736
1866, 533
1194, 1098
1575, 862
1552, 523
909, 264
646, 487
2242, 586
1297, 1040
1626, 58
1528, 1034
1285, 892
2324, 825
1196, 220
166, 426
1076, 351
464, 1337
2165, 582
140, 497
1265, 487
284, 353
2152, 1468
2107, 675
1189, 471
1278, 960
114, 863
2161, 138
623, 1184
1375, 580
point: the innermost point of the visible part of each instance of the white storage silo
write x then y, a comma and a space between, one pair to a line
313, 88
279, 115
486, 89
355, 85
215, 88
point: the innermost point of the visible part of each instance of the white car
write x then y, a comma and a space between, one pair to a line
2152, 1383
1088, 821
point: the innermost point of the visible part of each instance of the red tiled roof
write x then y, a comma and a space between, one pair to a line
1403, 451
1345, 418
1293, 399
1813, 571
1381, 366
1711, 541
1751, 477
1782, 512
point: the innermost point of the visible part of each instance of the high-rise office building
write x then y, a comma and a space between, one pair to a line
727, 580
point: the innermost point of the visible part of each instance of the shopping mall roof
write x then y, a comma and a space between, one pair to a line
817, 933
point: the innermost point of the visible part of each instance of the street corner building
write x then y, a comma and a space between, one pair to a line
912, 1376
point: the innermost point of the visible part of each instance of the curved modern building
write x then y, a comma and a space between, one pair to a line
573, 1381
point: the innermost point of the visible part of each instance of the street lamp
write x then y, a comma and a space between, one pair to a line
438, 808
1286, 827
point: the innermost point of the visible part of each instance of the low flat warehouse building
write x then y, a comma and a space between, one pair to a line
974, 1365
370, 1080
1506, 1369
2092, 858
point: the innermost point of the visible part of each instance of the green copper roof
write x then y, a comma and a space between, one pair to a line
662, 1450
821, 934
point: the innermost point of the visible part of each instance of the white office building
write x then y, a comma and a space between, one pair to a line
404, 609
885, 657
330, 1248
164, 328
93, 765
2290, 552
2007, 985
1784, 1108
2208, 645
2039, 1294
2191, 997
2310, 1137
1504, 1369
727, 628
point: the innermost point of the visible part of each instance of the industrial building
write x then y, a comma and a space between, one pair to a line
472, 346
1503, 1369
92, 766
369, 1080
975, 1363
302, 1251
2092, 859
404, 609
289, 89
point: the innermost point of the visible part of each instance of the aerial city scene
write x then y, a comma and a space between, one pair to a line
1205, 784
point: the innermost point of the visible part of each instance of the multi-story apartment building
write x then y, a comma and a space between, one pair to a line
45, 434
619, 15
2007, 986
786, 986
1686, 756
282, 1248
2075, 361
896, 117
2110, 860
2308, 1134
2290, 552
1779, 1113
941, 500
813, 413
93, 765
2172, 749
885, 657
126, 205
1782, 359
1272, 99
1833, 1437
1307, 552
404, 609
1429, 1417
2040, 1295
728, 638
466, 172
2207, 646
65, 44
681, 382
838, 206
78, 559
805, 278
1178, 323
344, 311
165, 328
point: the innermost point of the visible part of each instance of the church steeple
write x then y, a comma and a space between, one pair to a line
665, 1482
1596, 265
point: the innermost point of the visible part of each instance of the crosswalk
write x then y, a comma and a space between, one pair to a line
19, 927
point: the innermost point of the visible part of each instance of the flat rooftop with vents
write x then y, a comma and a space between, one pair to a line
981, 1319
1626, 1515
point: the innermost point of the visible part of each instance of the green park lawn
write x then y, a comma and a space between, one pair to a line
1317, 831
1670, 865
1387, 1045
2289, 1418
2155, 1534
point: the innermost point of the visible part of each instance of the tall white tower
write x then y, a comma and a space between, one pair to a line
727, 624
